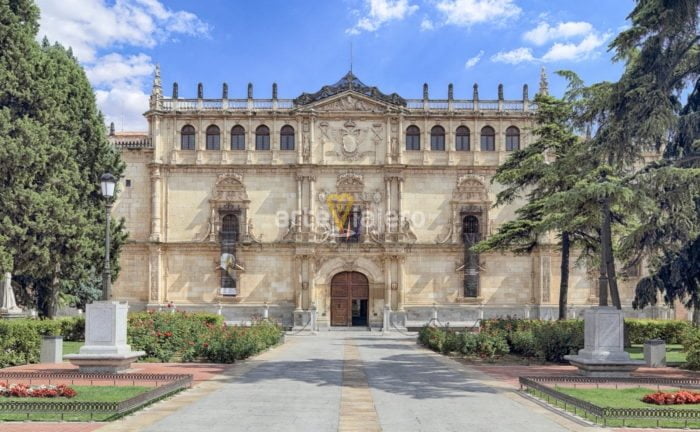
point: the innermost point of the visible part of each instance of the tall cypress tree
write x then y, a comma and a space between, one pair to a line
53, 145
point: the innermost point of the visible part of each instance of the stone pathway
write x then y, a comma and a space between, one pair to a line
351, 381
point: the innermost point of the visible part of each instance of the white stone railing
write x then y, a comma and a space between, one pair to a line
288, 104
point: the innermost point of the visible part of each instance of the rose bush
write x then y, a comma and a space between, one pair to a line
45, 391
672, 398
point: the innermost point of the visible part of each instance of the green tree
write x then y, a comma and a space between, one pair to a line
53, 145
552, 164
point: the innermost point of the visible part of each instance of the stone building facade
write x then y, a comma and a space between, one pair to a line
355, 203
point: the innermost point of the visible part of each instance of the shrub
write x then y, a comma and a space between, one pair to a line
187, 337
639, 331
523, 343
20, 340
555, 339
469, 344
691, 346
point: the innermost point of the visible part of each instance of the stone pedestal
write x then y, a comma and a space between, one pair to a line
655, 353
51, 349
603, 354
105, 349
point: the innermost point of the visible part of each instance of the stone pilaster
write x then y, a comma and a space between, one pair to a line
155, 202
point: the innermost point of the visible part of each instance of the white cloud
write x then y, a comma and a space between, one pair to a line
468, 12
474, 60
544, 33
115, 69
91, 27
380, 12
515, 56
575, 51
124, 107
427, 24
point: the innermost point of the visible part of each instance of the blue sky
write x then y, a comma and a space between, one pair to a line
303, 44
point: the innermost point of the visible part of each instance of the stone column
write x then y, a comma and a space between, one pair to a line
312, 282
387, 183
400, 293
296, 272
154, 272
387, 282
300, 181
155, 203
399, 197
312, 203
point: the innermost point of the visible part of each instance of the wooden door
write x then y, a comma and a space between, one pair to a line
345, 287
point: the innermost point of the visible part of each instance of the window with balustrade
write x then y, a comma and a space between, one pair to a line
213, 138
412, 138
237, 138
488, 139
512, 138
187, 138
262, 138
462, 138
287, 138
437, 138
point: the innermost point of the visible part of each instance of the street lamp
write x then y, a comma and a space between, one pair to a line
107, 184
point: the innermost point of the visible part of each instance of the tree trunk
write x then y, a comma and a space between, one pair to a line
606, 240
51, 305
564, 282
696, 316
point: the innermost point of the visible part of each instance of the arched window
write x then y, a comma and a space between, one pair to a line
512, 138
470, 229
213, 138
287, 138
488, 139
229, 230
412, 138
437, 138
187, 138
462, 138
262, 138
237, 138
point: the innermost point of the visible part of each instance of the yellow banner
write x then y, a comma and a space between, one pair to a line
340, 206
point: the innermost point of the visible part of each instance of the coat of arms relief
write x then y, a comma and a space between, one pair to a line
351, 141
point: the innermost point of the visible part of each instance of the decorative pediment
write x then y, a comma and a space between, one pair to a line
351, 84
349, 101
470, 187
230, 188
350, 182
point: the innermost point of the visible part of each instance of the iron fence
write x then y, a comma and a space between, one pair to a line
165, 384
604, 414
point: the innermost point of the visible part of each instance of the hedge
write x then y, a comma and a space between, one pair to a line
20, 339
164, 336
466, 343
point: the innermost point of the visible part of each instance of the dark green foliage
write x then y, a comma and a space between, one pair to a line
638, 331
446, 341
523, 343
555, 339
53, 146
20, 339
691, 346
187, 337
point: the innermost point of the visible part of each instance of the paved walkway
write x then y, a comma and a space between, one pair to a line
342, 381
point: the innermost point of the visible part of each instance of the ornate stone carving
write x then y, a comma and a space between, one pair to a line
470, 187
229, 187
349, 83
349, 141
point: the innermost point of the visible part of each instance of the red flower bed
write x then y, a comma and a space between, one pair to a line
46, 391
675, 398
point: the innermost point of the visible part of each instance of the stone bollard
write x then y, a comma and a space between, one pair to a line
655, 353
312, 318
51, 349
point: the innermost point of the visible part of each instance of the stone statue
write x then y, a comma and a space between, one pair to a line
8, 305
228, 264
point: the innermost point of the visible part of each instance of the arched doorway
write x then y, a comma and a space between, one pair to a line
349, 299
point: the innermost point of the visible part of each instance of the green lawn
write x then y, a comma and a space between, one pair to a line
85, 394
71, 347
622, 398
674, 353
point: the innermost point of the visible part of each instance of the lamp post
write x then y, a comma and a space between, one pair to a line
107, 184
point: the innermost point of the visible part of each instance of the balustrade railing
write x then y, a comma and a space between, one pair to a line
288, 104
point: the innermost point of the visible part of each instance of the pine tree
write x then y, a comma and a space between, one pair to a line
53, 145
550, 165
